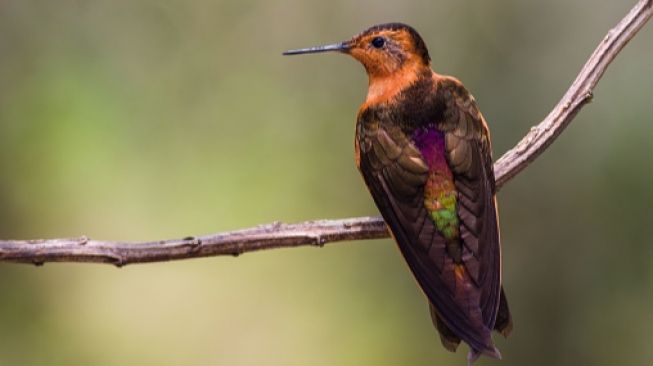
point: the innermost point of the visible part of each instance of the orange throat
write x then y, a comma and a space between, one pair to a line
384, 88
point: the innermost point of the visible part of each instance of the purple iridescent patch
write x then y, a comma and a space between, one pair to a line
430, 143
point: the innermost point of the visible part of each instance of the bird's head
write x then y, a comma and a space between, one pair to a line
383, 49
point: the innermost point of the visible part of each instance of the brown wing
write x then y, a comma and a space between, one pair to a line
467, 141
395, 173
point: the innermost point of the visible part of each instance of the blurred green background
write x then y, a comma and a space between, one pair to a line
134, 120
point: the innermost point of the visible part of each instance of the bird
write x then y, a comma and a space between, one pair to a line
424, 151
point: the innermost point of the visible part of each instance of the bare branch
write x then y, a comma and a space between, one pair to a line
278, 235
275, 235
579, 94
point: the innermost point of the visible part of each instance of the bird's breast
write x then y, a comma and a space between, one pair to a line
385, 88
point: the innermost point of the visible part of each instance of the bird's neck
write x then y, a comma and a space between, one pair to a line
383, 88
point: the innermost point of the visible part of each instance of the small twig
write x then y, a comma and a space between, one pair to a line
278, 235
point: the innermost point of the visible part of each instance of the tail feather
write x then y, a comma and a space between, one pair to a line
449, 340
473, 355
503, 323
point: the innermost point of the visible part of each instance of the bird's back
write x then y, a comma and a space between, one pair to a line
425, 157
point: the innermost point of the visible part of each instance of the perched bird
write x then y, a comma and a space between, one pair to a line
424, 151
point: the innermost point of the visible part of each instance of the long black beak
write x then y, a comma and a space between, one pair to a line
338, 47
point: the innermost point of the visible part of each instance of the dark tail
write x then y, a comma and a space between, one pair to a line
451, 341
473, 355
503, 324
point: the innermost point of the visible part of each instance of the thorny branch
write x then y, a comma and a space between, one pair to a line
278, 235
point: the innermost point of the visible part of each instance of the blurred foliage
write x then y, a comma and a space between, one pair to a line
152, 119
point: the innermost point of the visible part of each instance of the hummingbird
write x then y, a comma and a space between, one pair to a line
424, 151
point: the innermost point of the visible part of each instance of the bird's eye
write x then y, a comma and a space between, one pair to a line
378, 42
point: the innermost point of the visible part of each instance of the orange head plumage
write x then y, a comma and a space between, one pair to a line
393, 54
